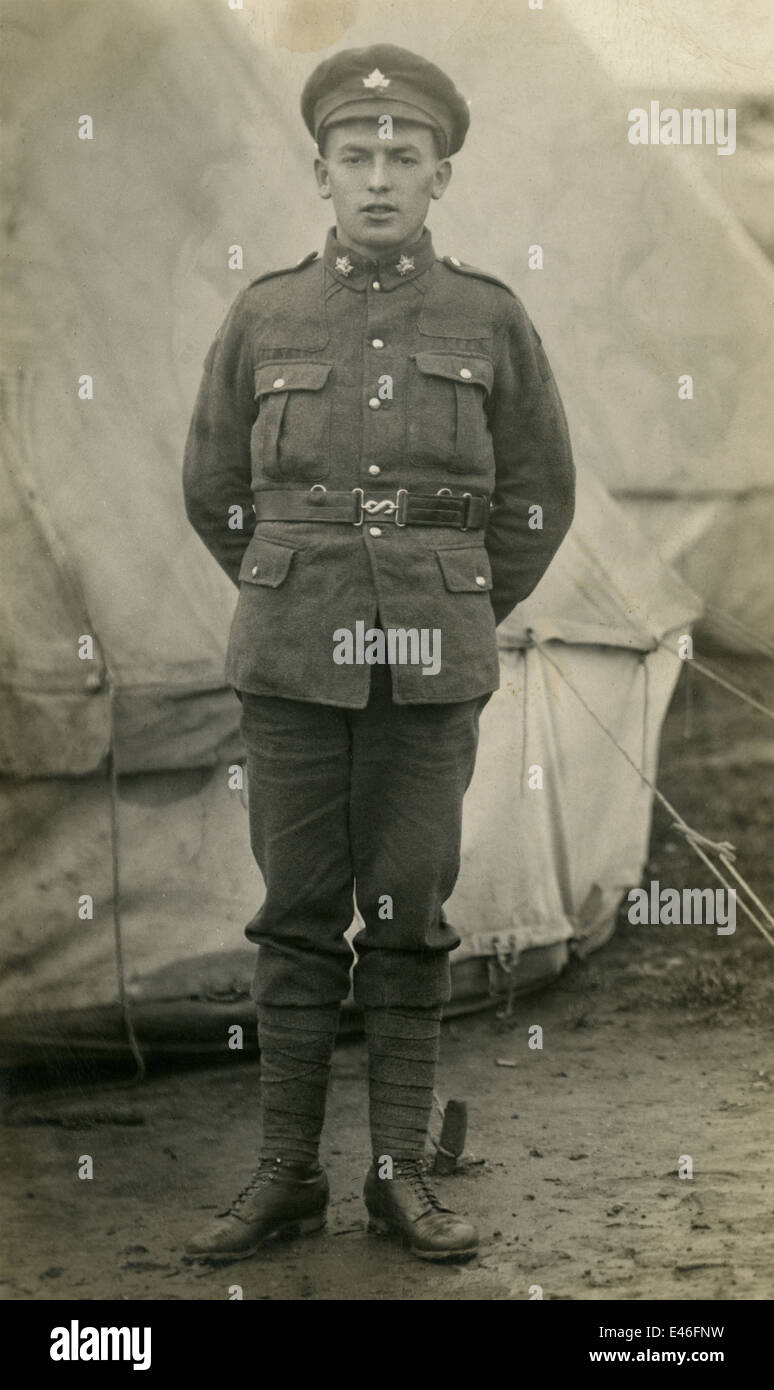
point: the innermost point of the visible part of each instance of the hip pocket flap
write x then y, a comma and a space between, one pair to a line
466, 570
266, 563
459, 367
273, 378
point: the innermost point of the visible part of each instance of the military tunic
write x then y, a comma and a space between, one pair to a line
413, 373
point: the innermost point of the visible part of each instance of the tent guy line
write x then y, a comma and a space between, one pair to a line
694, 837
712, 675
711, 610
115, 857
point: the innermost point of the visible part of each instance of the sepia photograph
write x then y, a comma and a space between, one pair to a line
387, 687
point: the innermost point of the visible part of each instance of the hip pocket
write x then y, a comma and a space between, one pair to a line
466, 569
266, 563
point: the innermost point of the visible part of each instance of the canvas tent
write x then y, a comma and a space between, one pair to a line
117, 268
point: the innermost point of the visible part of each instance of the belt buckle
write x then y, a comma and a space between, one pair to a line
381, 506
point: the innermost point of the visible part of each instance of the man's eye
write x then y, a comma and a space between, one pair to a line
406, 159
350, 159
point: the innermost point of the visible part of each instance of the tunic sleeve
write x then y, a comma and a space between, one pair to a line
533, 462
217, 465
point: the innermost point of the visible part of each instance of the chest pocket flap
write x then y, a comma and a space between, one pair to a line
291, 435
447, 423
458, 367
265, 562
466, 570
274, 378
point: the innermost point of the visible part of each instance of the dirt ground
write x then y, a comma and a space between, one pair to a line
661, 1045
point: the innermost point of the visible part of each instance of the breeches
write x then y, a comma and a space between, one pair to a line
357, 806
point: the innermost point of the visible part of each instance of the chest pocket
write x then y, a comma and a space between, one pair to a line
291, 437
447, 423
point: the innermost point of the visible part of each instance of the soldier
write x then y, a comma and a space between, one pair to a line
392, 421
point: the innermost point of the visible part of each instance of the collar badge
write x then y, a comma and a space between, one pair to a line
344, 265
405, 264
376, 79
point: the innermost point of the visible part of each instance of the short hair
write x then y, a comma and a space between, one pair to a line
439, 139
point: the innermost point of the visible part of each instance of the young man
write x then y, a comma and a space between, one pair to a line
392, 422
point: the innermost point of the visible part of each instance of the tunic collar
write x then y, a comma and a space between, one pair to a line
395, 267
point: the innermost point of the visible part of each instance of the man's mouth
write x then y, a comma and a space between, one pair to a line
379, 209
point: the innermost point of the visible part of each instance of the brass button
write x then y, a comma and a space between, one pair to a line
374, 403
376, 285
454, 260
374, 530
374, 469
480, 580
279, 383
254, 571
377, 343
465, 373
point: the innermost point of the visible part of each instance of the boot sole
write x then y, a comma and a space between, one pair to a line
306, 1225
378, 1226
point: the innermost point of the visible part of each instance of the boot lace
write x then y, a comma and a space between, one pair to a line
264, 1173
414, 1172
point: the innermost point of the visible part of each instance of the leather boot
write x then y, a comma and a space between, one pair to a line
407, 1205
280, 1199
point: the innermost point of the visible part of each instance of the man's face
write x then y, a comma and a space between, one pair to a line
381, 189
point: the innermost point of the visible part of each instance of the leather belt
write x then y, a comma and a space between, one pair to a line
465, 513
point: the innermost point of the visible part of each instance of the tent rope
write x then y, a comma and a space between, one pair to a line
645, 707
719, 680
115, 858
688, 706
17, 1102
524, 704
699, 843
711, 610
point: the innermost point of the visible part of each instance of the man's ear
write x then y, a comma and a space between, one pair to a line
321, 174
441, 178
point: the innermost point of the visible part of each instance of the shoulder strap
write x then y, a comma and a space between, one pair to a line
462, 269
286, 270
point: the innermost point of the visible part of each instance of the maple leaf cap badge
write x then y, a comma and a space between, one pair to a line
376, 79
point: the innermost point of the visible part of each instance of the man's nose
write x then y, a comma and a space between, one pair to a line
380, 179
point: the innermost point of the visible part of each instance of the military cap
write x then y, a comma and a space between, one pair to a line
384, 80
